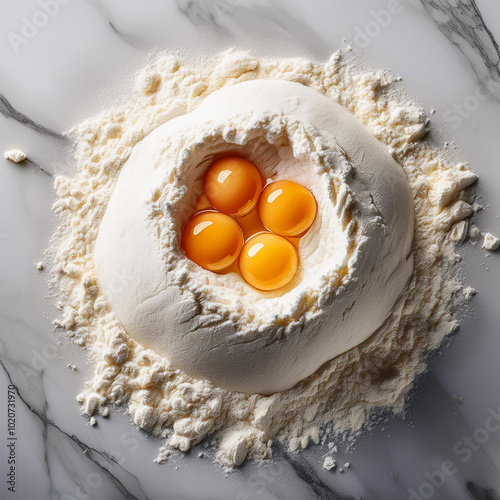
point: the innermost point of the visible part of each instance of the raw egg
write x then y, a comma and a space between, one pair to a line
287, 208
268, 261
233, 185
212, 240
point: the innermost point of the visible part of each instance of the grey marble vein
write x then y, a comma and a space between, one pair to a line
463, 24
306, 473
445, 425
39, 168
89, 455
7, 110
133, 41
45, 427
480, 493
201, 12
224, 15
92, 454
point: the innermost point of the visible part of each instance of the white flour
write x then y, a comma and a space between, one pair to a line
376, 373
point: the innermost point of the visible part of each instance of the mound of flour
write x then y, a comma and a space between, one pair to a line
163, 400
355, 261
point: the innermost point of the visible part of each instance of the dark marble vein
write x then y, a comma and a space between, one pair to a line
133, 41
90, 453
444, 425
45, 433
201, 12
260, 21
39, 167
306, 473
7, 110
480, 493
464, 26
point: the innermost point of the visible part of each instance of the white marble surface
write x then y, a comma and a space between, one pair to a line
76, 63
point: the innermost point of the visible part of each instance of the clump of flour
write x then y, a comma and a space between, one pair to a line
165, 401
15, 155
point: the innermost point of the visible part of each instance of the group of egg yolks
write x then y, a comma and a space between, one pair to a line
214, 239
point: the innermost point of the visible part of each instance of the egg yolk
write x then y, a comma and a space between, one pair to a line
287, 208
212, 240
268, 261
233, 185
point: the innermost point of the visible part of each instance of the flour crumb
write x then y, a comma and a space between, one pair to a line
72, 367
474, 233
93, 421
201, 454
457, 399
329, 463
469, 292
347, 465
15, 155
39, 266
491, 242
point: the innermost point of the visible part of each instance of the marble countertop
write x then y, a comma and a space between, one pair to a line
64, 60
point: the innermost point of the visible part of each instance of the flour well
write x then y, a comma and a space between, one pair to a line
378, 372
355, 260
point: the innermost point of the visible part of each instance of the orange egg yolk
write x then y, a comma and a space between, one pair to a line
212, 240
233, 185
268, 261
287, 208
241, 228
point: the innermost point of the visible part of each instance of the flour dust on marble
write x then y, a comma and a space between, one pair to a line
167, 402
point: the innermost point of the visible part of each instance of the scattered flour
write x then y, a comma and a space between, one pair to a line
490, 242
166, 402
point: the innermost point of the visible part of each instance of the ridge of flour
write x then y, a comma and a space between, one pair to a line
377, 373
